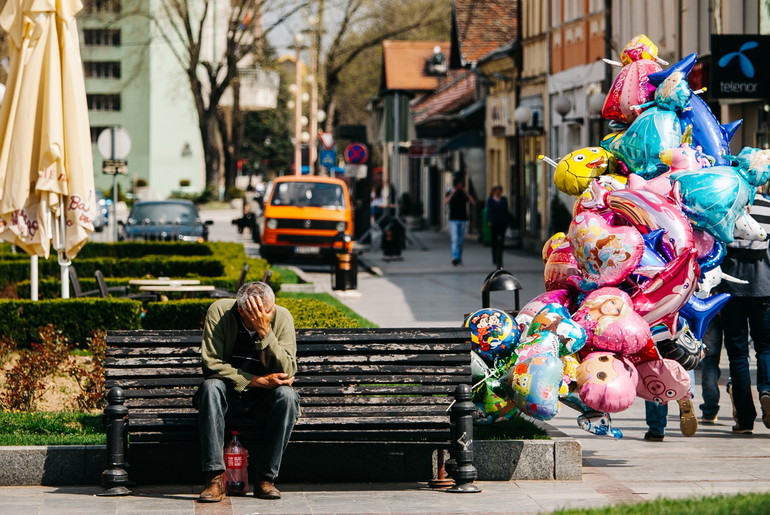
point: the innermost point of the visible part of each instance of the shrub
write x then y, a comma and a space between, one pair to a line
24, 381
134, 249
90, 378
190, 314
77, 319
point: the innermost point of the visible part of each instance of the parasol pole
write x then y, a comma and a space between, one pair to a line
33, 283
64, 263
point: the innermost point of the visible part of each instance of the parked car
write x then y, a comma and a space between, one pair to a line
164, 220
102, 218
306, 215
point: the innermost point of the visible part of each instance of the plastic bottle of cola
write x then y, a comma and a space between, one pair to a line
236, 461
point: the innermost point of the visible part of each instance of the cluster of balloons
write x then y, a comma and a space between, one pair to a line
628, 287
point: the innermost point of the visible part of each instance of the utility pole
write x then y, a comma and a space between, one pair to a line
315, 53
298, 107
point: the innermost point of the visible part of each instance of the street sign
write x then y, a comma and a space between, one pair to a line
356, 154
327, 139
357, 171
114, 167
328, 158
114, 143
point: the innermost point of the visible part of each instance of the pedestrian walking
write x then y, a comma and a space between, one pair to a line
458, 199
497, 220
656, 416
747, 313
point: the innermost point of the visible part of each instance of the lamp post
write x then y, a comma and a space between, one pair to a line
298, 46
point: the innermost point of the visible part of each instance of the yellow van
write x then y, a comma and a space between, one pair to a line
306, 215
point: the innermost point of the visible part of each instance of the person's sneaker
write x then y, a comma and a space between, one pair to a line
688, 423
649, 436
738, 430
729, 388
455, 262
764, 401
709, 421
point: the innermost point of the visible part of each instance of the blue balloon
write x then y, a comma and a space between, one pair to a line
713, 137
714, 258
712, 198
699, 312
656, 129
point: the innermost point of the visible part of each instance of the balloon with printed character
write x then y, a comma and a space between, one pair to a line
607, 382
494, 333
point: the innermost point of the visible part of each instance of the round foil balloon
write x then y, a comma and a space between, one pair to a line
607, 382
577, 169
494, 333
534, 383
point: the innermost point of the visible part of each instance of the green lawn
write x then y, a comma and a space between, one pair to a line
743, 504
42, 428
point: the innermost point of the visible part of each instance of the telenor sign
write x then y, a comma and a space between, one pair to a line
739, 66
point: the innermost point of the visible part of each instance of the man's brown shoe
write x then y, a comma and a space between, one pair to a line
215, 489
688, 422
266, 490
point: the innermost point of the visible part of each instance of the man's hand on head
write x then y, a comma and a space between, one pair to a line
255, 317
271, 381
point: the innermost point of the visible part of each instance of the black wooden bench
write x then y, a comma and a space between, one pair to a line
377, 405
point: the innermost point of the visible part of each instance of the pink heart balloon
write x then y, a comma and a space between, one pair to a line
605, 254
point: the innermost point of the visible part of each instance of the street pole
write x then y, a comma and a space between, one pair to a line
114, 189
314, 60
298, 110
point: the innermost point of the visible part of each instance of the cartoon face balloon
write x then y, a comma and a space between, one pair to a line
662, 381
534, 385
607, 382
606, 255
611, 323
577, 169
494, 333
556, 320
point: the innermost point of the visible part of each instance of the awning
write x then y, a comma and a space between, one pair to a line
471, 138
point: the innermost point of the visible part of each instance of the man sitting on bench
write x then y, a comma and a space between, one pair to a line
249, 351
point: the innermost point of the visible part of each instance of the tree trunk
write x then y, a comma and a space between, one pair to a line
211, 148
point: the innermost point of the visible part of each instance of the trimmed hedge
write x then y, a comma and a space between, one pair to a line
190, 313
21, 320
134, 249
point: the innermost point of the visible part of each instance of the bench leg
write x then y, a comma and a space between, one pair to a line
464, 472
115, 477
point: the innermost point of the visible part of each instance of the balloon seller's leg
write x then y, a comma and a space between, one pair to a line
736, 335
655, 415
760, 334
710, 371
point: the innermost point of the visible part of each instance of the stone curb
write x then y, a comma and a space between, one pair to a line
560, 458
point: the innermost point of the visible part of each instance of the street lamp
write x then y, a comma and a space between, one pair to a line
298, 47
562, 106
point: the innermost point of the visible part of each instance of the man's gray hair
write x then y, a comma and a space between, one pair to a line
254, 290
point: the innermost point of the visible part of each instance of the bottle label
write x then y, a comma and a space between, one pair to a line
234, 461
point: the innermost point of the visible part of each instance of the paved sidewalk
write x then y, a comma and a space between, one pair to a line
425, 290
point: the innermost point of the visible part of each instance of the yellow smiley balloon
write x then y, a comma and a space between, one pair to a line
577, 169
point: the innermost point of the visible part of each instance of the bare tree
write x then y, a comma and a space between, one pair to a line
365, 24
185, 26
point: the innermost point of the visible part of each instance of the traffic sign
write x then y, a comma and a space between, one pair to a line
115, 167
114, 143
327, 139
328, 158
356, 154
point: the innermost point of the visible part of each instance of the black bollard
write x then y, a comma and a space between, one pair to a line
464, 472
115, 477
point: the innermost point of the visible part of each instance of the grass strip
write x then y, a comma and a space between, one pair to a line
741, 504
331, 300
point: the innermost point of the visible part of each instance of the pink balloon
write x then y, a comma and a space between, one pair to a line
704, 242
605, 254
611, 323
607, 382
662, 380
560, 266
659, 298
648, 211
563, 297
630, 88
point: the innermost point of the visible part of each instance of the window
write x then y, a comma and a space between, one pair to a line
101, 37
95, 131
102, 69
101, 6
106, 102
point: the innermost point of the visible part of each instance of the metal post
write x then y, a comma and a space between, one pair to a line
114, 189
33, 278
464, 473
298, 111
115, 477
